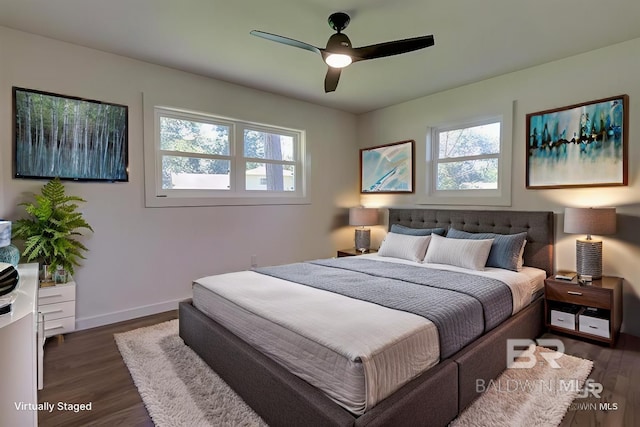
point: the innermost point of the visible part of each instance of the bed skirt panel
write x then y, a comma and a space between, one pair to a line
429, 400
280, 398
486, 357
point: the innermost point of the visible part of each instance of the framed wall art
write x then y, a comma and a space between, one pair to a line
582, 145
388, 168
68, 137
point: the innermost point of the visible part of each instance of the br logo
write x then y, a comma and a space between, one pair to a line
525, 349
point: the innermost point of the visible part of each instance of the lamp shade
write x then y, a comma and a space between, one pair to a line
5, 233
599, 221
363, 216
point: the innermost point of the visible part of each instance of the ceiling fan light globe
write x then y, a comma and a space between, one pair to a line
338, 60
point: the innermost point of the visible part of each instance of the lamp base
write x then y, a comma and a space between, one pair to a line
363, 239
589, 258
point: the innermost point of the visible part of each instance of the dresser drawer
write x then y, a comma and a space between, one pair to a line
563, 319
59, 326
58, 293
58, 310
594, 325
581, 295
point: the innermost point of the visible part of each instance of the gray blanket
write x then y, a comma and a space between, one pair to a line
462, 306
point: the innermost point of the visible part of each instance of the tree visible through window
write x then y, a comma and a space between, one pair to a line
198, 152
467, 157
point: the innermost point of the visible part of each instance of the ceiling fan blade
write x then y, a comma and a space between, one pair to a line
331, 79
396, 47
285, 40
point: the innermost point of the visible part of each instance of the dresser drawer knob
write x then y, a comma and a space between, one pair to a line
574, 293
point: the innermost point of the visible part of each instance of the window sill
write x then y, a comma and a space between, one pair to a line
161, 202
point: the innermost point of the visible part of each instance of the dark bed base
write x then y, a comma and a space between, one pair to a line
435, 397
282, 399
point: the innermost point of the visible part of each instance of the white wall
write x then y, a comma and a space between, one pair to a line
598, 74
142, 260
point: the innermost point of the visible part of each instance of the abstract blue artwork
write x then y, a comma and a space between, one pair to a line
387, 168
582, 145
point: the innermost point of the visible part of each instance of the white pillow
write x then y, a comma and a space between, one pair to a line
521, 257
465, 253
404, 246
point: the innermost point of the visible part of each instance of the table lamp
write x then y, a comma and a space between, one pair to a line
362, 217
599, 221
8, 253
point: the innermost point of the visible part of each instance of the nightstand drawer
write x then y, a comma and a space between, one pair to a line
582, 295
563, 319
58, 293
58, 310
594, 325
59, 326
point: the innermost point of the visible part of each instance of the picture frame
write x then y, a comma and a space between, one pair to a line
69, 137
388, 168
581, 145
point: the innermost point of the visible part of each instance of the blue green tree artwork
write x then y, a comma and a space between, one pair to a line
582, 145
69, 137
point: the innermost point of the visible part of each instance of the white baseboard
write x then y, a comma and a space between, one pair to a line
120, 316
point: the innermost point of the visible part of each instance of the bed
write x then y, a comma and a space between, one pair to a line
433, 398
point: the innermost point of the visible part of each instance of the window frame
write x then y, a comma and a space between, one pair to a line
237, 194
500, 196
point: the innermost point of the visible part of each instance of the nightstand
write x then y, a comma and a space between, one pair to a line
354, 252
592, 311
57, 304
56, 316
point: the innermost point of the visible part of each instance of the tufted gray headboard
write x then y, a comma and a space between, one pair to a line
539, 227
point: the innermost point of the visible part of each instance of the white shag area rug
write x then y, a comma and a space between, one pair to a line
179, 389
535, 397
176, 386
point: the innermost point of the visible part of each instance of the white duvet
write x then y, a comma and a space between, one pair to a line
358, 353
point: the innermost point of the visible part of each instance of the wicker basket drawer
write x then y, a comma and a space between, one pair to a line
594, 325
563, 319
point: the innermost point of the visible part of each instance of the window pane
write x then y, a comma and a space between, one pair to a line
264, 145
270, 177
467, 175
471, 141
193, 137
194, 173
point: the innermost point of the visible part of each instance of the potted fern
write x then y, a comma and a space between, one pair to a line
50, 231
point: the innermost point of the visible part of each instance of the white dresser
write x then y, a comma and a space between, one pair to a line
19, 352
57, 305
57, 309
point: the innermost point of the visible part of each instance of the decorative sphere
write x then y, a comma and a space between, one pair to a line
10, 254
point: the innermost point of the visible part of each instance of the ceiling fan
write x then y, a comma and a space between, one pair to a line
339, 53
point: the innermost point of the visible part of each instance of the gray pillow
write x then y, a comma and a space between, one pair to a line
505, 250
401, 229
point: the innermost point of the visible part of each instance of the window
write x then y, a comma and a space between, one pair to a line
470, 163
213, 161
468, 157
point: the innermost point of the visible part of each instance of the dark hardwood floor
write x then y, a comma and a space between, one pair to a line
87, 367
618, 370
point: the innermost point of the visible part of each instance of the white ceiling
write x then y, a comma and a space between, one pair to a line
474, 39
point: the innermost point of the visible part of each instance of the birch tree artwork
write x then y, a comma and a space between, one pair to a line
69, 138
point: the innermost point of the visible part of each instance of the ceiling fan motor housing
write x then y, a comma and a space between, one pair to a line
339, 43
339, 21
